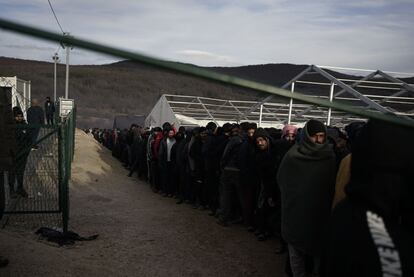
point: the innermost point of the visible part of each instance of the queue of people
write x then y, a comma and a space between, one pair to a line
340, 202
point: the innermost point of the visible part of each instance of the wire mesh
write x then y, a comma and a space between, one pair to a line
32, 187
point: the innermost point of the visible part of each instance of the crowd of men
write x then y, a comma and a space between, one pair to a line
340, 201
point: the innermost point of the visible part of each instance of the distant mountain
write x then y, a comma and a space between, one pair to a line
104, 91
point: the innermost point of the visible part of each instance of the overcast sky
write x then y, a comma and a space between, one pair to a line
373, 34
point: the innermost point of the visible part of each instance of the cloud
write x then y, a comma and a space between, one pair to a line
206, 58
29, 47
364, 34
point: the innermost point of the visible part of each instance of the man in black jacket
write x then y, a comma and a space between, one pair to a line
49, 110
22, 153
249, 182
36, 117
221, 139
266, 162
230, 177
7, 149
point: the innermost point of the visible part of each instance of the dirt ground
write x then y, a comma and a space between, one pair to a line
140, 233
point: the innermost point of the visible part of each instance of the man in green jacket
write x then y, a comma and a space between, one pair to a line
306, 178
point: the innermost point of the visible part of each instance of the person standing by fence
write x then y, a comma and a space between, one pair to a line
49, 111
17, 173
35, 116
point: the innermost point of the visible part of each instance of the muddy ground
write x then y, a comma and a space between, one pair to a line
140, 233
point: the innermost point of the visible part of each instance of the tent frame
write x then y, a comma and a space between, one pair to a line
185, 110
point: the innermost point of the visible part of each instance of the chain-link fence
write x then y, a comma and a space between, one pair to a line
36, 190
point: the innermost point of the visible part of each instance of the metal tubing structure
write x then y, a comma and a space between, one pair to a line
292, 89
331, 97
260, 116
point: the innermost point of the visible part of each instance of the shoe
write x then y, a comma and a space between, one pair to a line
3, 262
201, 208
212, 213
261, 237
179, 202
35, 148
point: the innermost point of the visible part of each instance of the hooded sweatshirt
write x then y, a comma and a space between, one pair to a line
306, 178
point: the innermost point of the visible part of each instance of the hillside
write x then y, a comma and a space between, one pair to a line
104, 91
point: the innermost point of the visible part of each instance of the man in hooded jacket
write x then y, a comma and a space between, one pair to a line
306, 178
372, 230
266, 162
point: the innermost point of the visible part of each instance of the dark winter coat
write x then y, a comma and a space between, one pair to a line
219, 144
195, 154
49, 108
7, 136
178, 153
208, 152
306, 178
230, 159
163, 153
35, 115
266, 164
247, 162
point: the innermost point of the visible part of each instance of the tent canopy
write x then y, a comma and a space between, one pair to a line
374, 90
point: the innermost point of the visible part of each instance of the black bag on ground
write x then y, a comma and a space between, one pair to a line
62, 238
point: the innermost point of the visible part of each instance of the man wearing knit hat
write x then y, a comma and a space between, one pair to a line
289, 132
306, 178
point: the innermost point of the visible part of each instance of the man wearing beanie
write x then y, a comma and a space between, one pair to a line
265, 160
306, 178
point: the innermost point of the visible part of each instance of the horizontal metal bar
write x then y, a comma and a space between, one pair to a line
371, 82
313, 83
364, 70
375, 87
